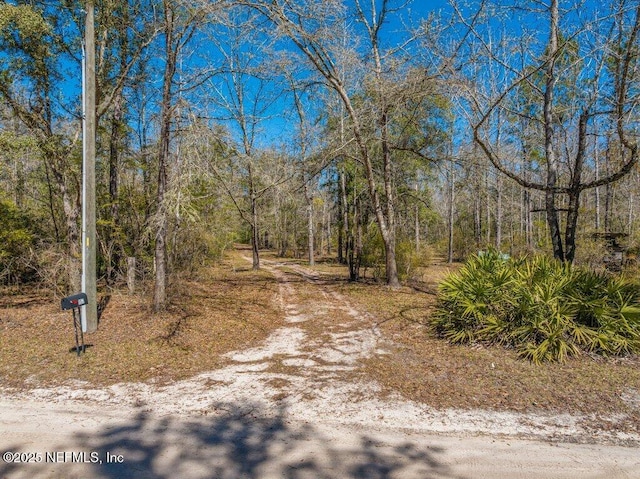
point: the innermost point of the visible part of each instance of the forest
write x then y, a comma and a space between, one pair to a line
384, 134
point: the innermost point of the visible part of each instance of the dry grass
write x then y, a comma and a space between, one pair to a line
228, 307
424, 368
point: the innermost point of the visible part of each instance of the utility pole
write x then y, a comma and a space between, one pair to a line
90, 313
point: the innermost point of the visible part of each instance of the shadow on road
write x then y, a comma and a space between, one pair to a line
236, 443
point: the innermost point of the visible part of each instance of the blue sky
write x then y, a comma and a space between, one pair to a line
278, 128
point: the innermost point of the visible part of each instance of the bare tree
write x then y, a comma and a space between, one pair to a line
179, 25
313, 28
568, 97
243, 96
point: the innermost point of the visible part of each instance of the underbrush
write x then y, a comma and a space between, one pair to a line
545, 310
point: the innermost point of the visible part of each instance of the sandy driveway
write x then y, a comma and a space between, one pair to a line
294, 407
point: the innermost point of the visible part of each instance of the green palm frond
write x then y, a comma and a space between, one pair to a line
546, 310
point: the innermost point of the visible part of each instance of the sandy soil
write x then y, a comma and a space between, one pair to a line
294, 407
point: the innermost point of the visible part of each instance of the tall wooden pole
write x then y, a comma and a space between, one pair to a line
90, 313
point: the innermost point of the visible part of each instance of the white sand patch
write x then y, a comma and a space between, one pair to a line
284, 341
297, 318
299, 362
631, 397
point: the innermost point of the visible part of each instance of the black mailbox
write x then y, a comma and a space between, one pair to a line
74, 301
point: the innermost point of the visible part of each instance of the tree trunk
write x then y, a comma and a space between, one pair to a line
572, 225
345, 213
608, 191
630, 214
327, 224
387, 222
528, 222
310, 226
596, 192
552, 163
354, 243
416, 225
50, 202
71, 207
254, 233
72, 210
450, 213
498, 212
19, 181
574, 192
358, 221
160, 251
341, 257
477, 217
131, 274
113, 259
488, 197
385, 215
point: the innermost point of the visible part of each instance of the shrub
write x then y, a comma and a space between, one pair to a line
410, 262
544, 309
16, 239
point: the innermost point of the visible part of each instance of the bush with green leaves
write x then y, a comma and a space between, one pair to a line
411, 261
16, 239
544, 309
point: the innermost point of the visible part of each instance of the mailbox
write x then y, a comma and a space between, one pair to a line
74, 301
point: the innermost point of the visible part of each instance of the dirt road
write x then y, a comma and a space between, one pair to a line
294, 407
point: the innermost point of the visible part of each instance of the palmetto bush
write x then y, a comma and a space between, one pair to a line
544, 309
